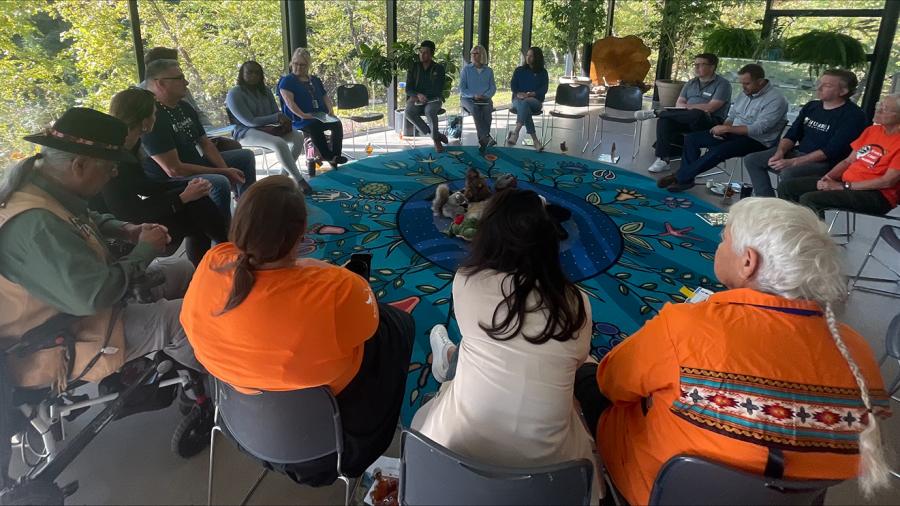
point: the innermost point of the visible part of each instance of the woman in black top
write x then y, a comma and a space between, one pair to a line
181, 206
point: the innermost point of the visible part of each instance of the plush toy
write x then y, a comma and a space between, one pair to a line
446, 204
476, 189
463, 227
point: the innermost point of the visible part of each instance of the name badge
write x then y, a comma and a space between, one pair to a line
315, 104
707, 93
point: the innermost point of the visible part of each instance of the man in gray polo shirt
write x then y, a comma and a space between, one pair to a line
754, 123
703, 104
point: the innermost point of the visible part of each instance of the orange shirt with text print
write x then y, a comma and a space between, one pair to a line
726, 378
300, 327
876, 153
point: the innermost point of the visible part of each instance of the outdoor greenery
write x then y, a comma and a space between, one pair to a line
58, 53
733, 42
843, 51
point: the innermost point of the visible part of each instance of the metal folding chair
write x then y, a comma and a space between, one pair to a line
621, 104
356, 96
573, 95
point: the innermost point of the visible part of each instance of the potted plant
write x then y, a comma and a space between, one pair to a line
820, 48
726, 42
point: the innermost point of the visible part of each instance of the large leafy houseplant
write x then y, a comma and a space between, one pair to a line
729, 42
377, 67
820, 48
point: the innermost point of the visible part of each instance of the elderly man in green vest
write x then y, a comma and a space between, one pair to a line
54, 260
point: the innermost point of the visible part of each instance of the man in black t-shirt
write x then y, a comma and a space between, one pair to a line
178, 146
819, 138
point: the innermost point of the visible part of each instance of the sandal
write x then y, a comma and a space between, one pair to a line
512, 138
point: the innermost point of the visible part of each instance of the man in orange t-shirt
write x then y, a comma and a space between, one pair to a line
754, 371
867, 181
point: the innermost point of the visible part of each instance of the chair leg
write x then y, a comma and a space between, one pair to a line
598, 126
212, 459
255, 486
586, 127
346, 489
863, 266
353, 138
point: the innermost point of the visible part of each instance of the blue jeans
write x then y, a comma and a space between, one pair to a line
525, 109
719, 150
242, 159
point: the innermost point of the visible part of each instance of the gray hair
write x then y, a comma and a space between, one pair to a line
157, 68
798, 260
51, 161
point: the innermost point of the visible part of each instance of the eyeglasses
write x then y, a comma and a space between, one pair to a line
175, 78
702, 65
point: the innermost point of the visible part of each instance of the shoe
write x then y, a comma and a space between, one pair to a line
305, 187
440, 344
644, 114
443, 138
680, 187
338, 160
512, 138
659, 165
438, 146
667, 181
490, 142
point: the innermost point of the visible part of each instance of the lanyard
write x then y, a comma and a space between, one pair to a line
312, 92
788, 310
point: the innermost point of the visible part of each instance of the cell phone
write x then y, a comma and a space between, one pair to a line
361, 264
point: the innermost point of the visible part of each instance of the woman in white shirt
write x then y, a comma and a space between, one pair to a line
526, 329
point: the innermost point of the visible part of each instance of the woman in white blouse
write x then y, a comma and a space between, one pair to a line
525, 331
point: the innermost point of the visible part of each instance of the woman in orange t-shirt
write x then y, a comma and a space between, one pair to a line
259, 318
867, 181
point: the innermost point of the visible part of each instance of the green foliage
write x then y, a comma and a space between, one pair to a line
575, 22
375, 66
381, 68
820, 48
733, 42
680, 23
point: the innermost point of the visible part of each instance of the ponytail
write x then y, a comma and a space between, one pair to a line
16, 177
873, 473
242, 283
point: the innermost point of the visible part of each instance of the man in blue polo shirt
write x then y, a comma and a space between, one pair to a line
703, 104
819, 138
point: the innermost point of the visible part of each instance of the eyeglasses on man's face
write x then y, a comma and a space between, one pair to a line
179, 77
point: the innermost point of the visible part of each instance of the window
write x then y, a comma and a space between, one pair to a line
554, 57
440, 21
213, 40
56, 55
506, 45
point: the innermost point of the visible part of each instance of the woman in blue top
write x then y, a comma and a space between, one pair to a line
476, 87
529, 86
304, 100
258, 122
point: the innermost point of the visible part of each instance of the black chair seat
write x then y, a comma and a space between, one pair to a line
616, 119
365, 118
536, 113
559, 114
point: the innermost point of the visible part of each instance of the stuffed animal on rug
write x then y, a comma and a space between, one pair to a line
447, 204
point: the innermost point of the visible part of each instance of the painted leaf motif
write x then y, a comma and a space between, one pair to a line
632, 228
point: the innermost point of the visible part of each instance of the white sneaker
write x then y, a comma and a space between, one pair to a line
659, 165
440, 344
644, 114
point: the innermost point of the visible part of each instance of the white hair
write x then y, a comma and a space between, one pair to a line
798, 260
51, 161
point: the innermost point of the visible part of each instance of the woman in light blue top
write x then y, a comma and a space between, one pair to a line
257, 121
476, 87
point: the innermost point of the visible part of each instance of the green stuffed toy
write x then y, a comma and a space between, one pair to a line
463, 227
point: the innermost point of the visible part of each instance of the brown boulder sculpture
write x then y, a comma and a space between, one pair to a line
616, 60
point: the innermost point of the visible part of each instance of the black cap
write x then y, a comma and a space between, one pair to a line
428, 44
84, 131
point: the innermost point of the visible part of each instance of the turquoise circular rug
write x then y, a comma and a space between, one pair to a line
631, 247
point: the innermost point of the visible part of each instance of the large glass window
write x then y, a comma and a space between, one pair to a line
335, 31
542, 31
213, 40
55, 55
506, 45
440, 21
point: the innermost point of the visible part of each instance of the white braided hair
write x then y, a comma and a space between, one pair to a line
798, 260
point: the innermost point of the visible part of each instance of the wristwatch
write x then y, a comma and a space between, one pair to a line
847, 185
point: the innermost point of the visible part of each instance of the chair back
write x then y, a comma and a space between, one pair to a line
432, 474
692, 480
573, 95
282, 427
892, 338
624, 98
231, 119
352, 96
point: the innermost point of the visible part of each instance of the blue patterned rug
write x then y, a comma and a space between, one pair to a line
631, 246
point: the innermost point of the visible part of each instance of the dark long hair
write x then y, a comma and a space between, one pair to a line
261, 87
538, 64
268, 222
132, 106
516, 236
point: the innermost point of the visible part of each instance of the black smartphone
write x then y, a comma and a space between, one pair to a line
360, 263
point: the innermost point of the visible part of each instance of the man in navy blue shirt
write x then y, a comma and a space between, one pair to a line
819, 138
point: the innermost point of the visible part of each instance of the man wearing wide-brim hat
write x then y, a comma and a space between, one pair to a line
54, 260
